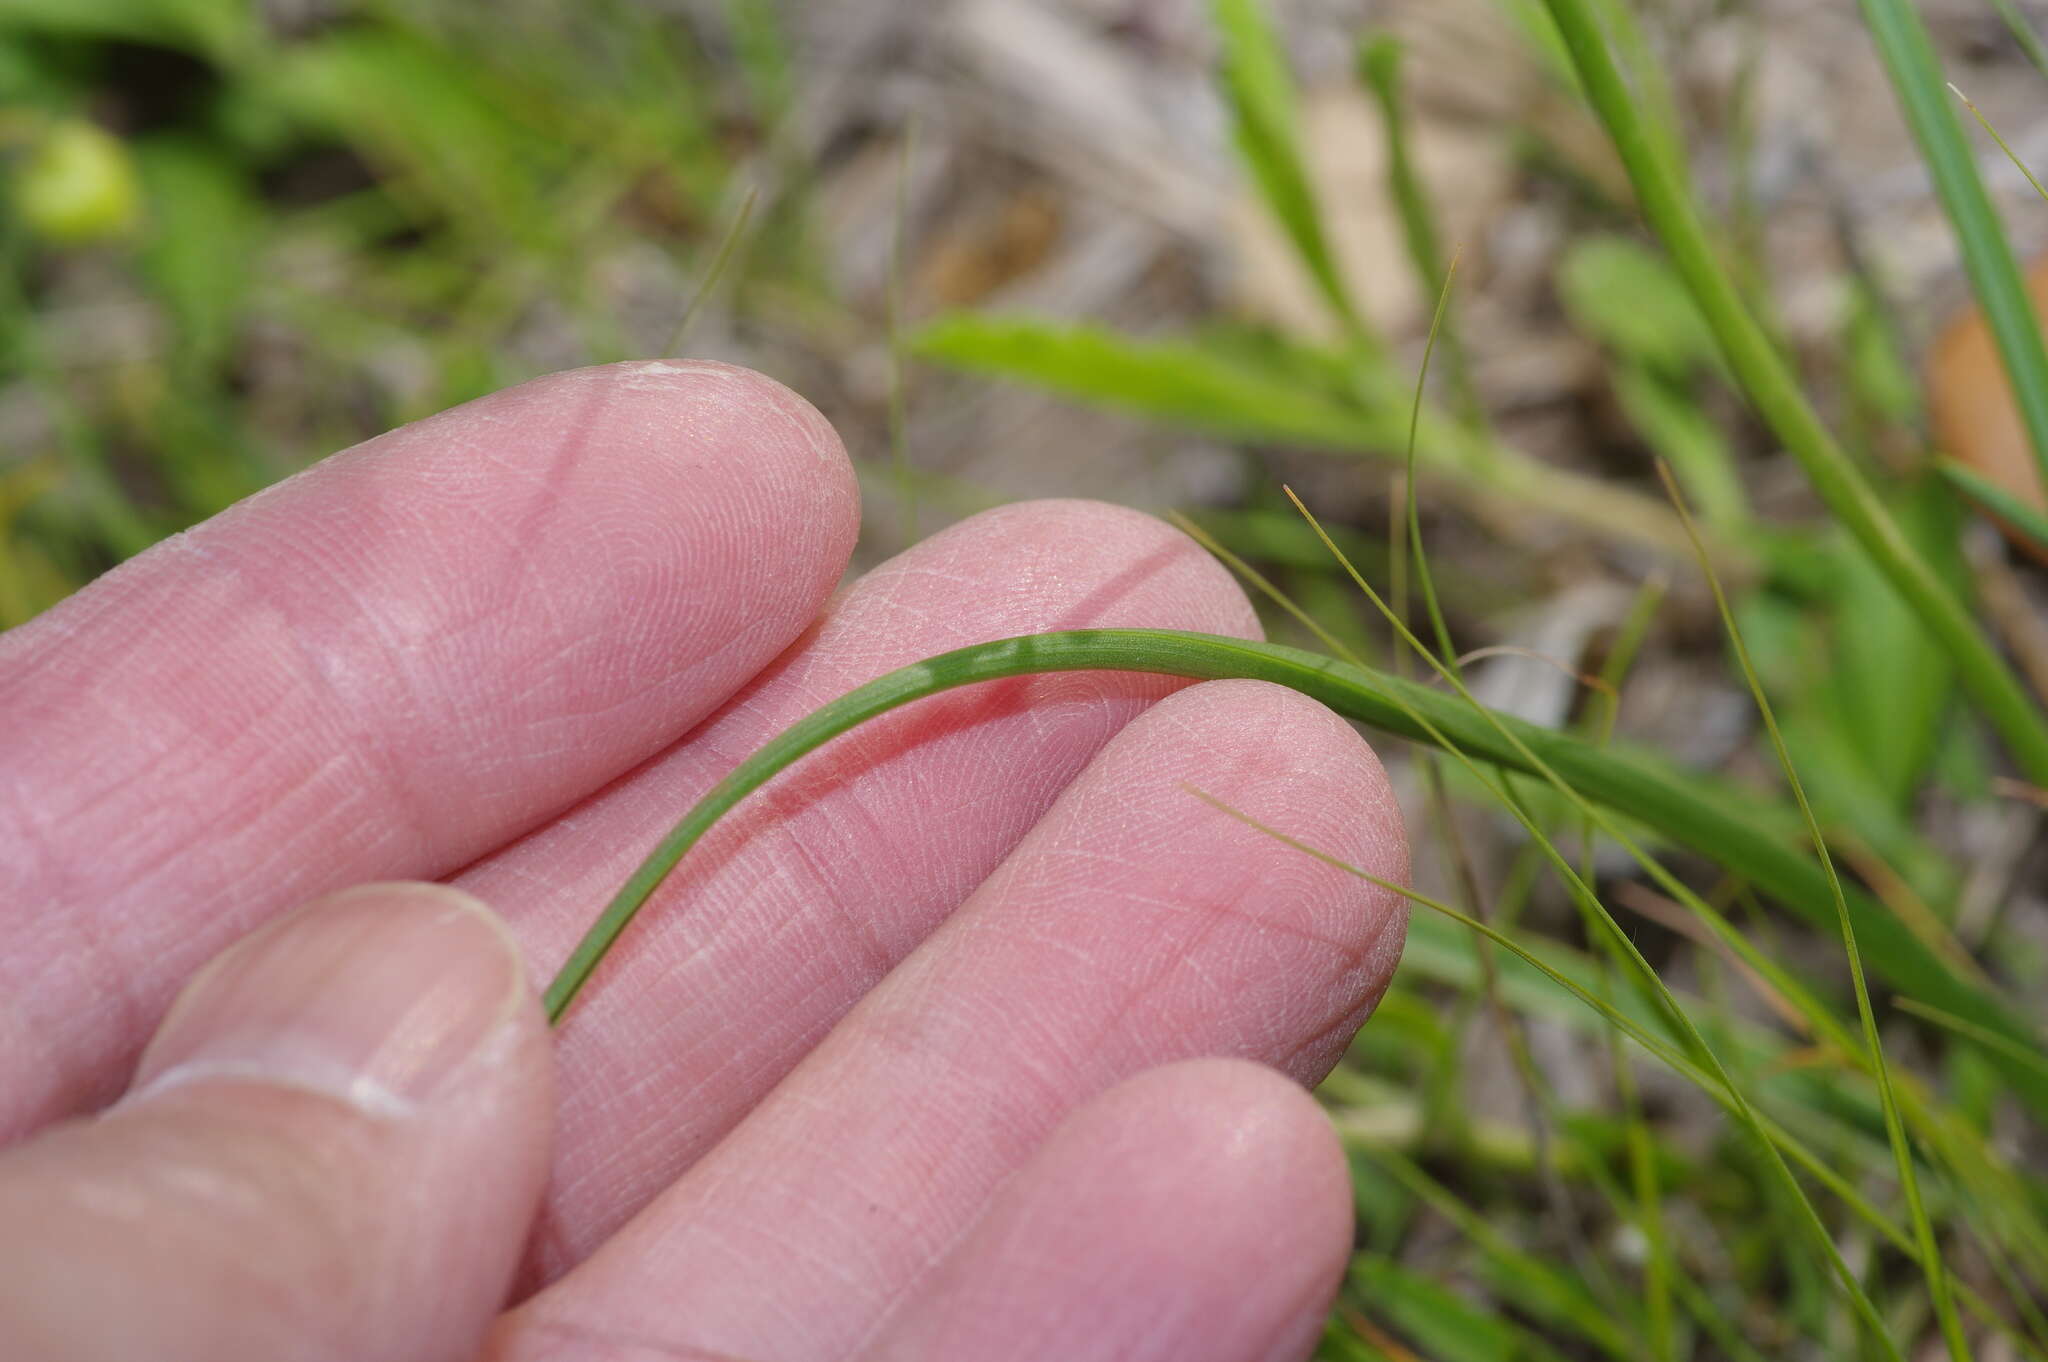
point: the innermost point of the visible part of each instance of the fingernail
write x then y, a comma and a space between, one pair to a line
380, 996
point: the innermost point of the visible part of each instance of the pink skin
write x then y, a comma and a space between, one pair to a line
874, 1052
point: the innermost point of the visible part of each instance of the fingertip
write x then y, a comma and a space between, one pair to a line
674, 433
1319, 764
1273, 755
1237, 1132
707, 396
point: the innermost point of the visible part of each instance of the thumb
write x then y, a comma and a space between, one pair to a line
333, 1150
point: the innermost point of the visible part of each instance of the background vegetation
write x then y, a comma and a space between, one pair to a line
1614, 1109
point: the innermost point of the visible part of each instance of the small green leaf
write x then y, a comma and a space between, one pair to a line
1623, 294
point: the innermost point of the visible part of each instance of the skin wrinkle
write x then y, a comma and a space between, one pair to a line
711, 611
746, 639
1143, 997
333, 700
802, 852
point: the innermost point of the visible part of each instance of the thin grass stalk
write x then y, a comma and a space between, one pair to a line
1537, 1109
2022, 33
1778, 1141
1764, 375
1413, 511
728, 244
1599, 920
1935, 1271
1379, 67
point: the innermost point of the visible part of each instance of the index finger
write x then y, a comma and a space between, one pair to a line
382, 669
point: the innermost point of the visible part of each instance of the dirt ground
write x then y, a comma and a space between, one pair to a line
1071, 158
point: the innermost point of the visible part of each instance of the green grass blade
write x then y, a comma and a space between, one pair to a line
1541, 1288
1773, 388
1287, 400
1935, 1271
735, 232
1691, 1040
1439, 1319
1179, 381
1723, 828
2023, 33
1995, 499
1379, 66
1412, 510
1779, 1143
1993, 1040
1261, 95
1924, 97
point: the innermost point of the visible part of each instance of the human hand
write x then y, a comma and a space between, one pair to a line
905, 1061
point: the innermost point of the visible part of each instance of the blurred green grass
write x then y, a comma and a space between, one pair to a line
295, 239
230, 247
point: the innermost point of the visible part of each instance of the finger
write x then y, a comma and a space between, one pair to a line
332, 1152
1197, 1213
381, 669
798, 903
1134, 926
